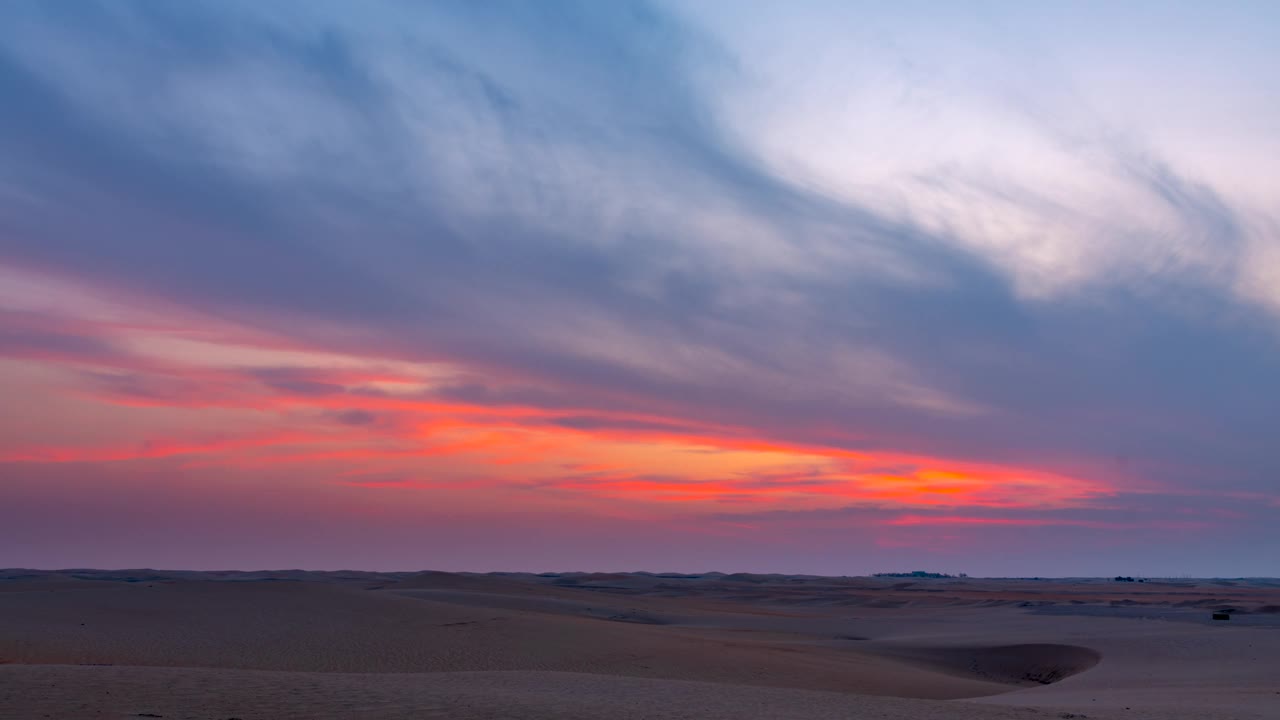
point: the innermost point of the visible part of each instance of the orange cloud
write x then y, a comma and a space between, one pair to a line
402, 421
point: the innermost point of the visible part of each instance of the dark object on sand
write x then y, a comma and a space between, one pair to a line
1222, 616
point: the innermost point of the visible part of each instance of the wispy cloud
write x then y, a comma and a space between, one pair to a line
693, 248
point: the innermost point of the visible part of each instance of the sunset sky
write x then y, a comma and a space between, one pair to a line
817, 287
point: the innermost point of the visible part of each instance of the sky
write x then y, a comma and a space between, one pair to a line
802, 287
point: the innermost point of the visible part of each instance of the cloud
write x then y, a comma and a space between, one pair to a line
356, 417
565, 222
38, 343
296, 381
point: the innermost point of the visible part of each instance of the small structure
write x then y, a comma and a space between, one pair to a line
1221, 616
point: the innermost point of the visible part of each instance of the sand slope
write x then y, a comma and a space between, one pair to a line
203, 694
327, 628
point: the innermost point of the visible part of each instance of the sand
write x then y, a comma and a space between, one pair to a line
387, 645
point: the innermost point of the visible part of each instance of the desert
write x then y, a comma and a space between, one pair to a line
215, 646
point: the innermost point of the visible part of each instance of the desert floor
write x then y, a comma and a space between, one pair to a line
278, 645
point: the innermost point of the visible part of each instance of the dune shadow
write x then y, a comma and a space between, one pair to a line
1024, 665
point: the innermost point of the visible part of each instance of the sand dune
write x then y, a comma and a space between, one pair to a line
201, 694
326, 628
416, 644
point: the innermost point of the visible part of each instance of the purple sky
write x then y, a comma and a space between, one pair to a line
824, 287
